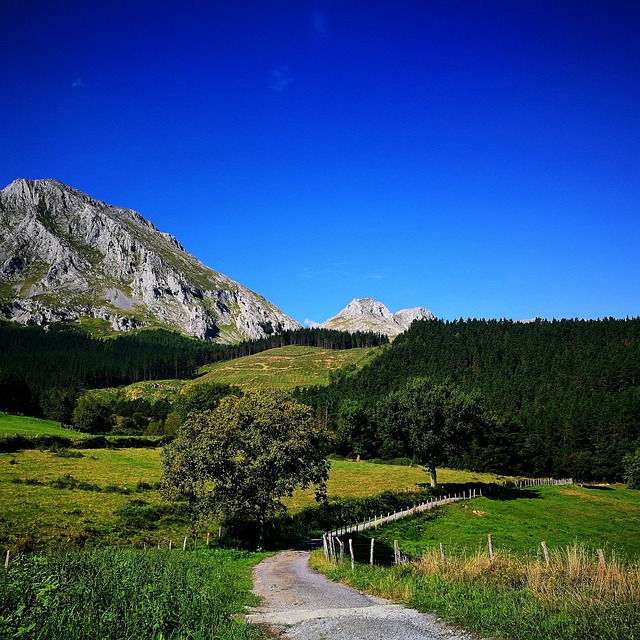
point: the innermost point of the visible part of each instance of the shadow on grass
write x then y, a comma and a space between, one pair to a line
489, 491
510, 493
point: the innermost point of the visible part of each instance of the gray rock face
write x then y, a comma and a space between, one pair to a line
64, 255
366, 314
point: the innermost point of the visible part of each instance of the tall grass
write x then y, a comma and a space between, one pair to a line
127, 594
574, 597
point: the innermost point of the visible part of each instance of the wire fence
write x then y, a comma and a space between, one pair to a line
334, 541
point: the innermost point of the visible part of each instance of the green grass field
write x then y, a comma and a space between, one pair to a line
284, 367
605, 517
34, 511
349, 479
515, 595
26, 426
46, 515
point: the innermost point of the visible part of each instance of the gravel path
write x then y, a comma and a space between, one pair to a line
306, 605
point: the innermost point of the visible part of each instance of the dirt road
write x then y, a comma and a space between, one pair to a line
305, 605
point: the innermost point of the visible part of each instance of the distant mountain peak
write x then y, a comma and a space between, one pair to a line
65, 255
367, 314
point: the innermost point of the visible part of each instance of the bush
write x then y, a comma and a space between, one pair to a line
67, 453
14, 443
632, 469
59, 444
399, 462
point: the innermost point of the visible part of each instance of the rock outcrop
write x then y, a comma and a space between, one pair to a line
366, 314
64, 255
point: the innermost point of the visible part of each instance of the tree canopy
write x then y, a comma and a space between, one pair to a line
431, 422
566, 392
239, 460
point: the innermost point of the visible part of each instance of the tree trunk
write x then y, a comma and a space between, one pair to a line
433, 476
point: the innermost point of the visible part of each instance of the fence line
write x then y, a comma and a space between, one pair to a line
387, 557
469, 494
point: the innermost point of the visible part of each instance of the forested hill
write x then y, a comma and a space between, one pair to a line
567, 392
34, 359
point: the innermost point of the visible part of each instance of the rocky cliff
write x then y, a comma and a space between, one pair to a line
366, 314
64, 255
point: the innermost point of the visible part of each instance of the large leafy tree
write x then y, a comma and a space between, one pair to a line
355, 430
204, 396
93, 414
434, 423
242, 458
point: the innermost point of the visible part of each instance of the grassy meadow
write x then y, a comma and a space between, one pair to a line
96, 496
27, 426
508, 598
283, 368
348, 479
516, 594
606, 517
53, 500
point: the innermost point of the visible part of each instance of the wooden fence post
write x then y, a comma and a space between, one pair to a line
353, 562
442, 554
371, 552
491, 554
341, 550
396, 552
6, 561
184, 544
325, 547
170, 544
546, 552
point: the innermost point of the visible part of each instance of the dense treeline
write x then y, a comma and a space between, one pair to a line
33, 360
566, 394
312, 337
39, 366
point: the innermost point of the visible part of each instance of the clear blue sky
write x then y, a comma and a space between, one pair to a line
480, 158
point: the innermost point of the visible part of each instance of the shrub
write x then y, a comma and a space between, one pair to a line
632, 469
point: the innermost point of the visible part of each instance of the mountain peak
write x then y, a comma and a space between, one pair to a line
65, 255
367, 314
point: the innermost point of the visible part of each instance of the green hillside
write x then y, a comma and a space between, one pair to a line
285, 367
565, 394
27, 426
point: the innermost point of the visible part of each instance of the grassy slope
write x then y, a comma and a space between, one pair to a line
61, 515
361, 479
516, 596
603, 517
58, 515
26, 426
283, 368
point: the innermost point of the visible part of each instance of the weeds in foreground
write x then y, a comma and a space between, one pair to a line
125, 594
575, 596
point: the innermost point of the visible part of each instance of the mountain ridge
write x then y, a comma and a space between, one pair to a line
65, 255
367, 314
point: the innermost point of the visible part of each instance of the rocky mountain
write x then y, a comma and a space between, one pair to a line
64, 256
366, 314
